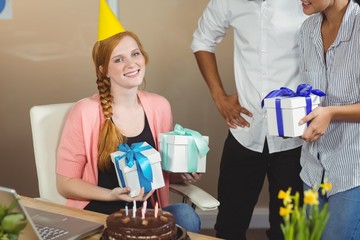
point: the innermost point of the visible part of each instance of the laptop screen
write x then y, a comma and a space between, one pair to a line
43, 224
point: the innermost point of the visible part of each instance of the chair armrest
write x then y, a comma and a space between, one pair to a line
197, 196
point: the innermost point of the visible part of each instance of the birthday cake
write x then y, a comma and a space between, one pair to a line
150, 225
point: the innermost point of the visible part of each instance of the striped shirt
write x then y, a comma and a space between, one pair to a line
336, 155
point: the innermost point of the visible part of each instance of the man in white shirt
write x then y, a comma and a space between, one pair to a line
265, 59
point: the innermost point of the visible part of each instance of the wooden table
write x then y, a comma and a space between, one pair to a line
84, 214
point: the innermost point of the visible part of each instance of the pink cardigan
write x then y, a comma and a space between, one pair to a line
78, 148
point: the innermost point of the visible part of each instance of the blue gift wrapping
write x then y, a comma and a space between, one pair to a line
133, 156
303, 90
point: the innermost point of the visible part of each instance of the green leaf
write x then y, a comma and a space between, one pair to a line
13, 223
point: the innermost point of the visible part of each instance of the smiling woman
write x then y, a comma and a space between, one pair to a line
120, 113
333, 30
50, 42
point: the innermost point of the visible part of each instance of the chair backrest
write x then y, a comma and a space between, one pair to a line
46, 126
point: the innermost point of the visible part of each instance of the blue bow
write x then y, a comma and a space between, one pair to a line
133, 156
303, 90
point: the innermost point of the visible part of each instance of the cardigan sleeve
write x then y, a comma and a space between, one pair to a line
77, 150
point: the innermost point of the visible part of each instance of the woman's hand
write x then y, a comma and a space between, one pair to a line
142, 196
123, 194
320, 119
120, 194
191, 177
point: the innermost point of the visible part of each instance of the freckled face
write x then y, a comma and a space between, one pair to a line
127, 64
315, 6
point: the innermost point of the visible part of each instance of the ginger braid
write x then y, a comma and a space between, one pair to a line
110, 136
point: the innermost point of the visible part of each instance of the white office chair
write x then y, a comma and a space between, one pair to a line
46, 126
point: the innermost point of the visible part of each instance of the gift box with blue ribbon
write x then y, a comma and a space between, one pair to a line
138, 165
183, 150
285, 108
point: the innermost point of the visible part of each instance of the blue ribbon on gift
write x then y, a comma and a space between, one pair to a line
303, 90
196, 146
133, 156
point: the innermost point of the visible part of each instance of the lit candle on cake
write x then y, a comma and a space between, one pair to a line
143, 210
156, 209
134, 209
126, 210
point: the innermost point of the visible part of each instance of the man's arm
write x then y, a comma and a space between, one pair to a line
228, 105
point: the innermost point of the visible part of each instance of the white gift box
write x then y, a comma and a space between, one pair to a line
129, 177
293, 109
176, 158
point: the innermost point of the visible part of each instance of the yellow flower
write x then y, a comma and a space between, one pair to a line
285, 196
303, 221
325, 187
311, 197
285, 211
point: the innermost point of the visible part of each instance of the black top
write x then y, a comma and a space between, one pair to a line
108, 179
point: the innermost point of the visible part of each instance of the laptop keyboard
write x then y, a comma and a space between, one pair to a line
48, 233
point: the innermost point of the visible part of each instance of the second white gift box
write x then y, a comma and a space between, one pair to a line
138, 166
183, 150
292, 109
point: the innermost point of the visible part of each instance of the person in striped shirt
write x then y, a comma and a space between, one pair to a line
329, 60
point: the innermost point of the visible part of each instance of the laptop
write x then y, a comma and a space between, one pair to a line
43, 224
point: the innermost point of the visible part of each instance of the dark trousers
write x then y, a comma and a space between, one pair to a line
242, 174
